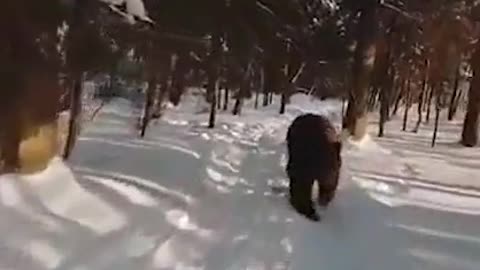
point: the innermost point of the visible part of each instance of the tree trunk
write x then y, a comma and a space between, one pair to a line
75, 114
385, 96
364, 58
160, 97
471, 122
265, 99
213, 108
399, 97
256, 99
244, 88
270, 98
429, 104
437, 118
10, 134
286, 86
421, 99
150, 96
219, 98
226, 98
213, 73
407, 103
372, 100
283, 103
212, 88
452, 108
383, 111
237, 108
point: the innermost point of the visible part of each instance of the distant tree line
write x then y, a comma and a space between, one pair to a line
376, 55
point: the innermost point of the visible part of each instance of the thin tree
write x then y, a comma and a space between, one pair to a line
213, 77
149, 102
471, 122
75, 113
407, 101
421, 98
437, 117
452, 108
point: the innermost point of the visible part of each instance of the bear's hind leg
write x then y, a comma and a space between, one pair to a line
327, 188
301, 198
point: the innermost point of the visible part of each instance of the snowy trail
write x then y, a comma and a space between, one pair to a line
186, 197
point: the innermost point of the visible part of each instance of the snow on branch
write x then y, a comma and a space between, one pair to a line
384, 4
132, 10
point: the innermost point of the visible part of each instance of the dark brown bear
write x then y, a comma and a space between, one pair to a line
313, 155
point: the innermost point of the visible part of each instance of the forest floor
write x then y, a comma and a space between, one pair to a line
188, 197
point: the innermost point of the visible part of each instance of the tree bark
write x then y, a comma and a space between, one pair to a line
383, 112
213, 73
219, 98
243, 90
150, 96
75, 114
213, 107
9, 139
226, 98
237, 107
385, 96
437, 119
429, 103
283, 103
372, 100
400, 95
407, 103
471, 122
421, 98
452, 108
364, 58
265, 99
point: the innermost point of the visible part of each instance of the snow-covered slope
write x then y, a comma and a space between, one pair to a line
187, 197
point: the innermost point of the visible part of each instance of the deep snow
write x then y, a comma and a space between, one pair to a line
187, 197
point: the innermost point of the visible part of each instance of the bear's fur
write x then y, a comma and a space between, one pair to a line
314, 154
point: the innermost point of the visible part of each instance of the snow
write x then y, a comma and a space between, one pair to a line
134, 8
187, 197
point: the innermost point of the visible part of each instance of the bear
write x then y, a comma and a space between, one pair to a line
314, 154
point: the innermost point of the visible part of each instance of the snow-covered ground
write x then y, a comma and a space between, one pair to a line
187, 197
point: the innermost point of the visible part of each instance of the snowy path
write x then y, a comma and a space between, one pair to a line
190, 198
